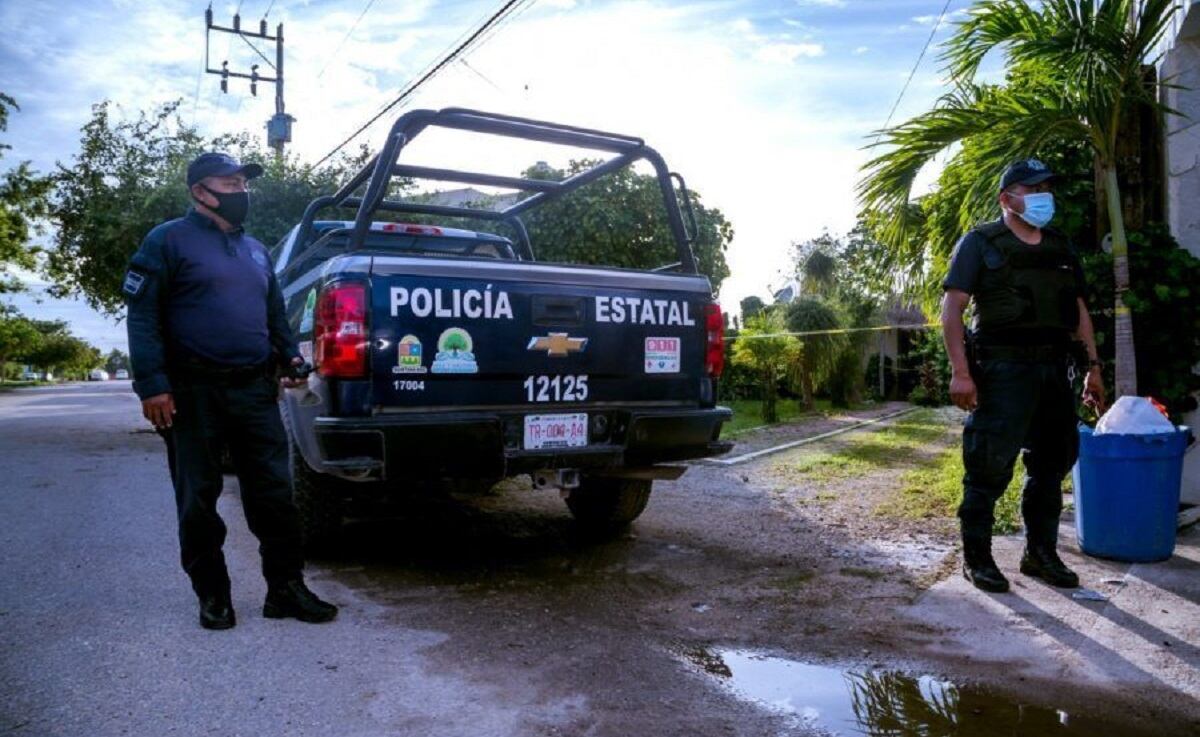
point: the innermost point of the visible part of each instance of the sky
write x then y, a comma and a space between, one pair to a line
764, 107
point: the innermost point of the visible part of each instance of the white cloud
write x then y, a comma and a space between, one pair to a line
788, 53
861, 50
823, 3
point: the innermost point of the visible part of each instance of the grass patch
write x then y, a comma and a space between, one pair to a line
858, 454
935, 490
747, 413
867, 573
794, 581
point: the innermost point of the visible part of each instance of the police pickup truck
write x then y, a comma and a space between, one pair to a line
445, 354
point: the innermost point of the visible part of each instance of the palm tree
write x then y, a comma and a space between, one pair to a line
822, 345
765, 348
1076, 70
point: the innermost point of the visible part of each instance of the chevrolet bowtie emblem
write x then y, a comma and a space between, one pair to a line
557, 345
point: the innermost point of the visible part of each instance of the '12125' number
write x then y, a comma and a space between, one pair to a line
556, 388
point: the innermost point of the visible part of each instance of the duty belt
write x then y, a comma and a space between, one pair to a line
1044, 353
217, 374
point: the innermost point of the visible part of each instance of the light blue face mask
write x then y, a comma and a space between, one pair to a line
1039, 209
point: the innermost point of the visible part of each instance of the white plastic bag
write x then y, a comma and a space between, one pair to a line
1133, 416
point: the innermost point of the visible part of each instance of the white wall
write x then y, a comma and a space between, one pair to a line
1181, 64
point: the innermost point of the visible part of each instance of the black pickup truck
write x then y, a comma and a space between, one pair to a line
444, 354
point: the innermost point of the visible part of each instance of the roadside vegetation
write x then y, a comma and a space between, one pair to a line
920, 457
747, 413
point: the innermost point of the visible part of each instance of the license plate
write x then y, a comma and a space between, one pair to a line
555, 431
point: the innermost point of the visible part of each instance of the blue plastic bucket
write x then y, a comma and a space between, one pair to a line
1127, 494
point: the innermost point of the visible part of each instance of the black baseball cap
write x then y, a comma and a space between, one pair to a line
219, 165
1025, 171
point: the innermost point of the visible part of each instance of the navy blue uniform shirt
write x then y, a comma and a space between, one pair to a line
197, 293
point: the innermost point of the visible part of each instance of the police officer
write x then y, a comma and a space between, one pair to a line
207, 335
1027, 286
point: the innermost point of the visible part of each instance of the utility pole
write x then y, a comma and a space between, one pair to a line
279, 127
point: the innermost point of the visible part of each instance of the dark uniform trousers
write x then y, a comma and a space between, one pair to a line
210, 413
1026, 405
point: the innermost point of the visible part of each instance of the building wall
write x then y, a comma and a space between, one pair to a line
1181, 65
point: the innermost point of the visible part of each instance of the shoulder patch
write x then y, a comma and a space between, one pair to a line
134, 284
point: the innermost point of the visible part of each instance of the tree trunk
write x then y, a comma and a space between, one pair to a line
806, 385
769, 414
1123, 345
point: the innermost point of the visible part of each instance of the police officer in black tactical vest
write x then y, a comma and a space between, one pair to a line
1030, 330
207, 338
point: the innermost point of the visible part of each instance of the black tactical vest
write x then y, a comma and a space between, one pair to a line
1024, 289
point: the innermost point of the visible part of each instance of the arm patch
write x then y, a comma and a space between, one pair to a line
134, 284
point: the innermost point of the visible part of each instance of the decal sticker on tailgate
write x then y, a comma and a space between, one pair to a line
662, 355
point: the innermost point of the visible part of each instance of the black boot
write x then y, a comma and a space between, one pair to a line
216, 612
293, 599
978, 565
1042, 561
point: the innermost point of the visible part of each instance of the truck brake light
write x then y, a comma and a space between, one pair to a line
340, 331
714, 356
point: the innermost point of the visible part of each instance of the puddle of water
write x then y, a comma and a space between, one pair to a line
882, 703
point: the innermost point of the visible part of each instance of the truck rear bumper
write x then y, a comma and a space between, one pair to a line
488, 444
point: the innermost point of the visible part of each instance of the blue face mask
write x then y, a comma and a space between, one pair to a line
1039, 209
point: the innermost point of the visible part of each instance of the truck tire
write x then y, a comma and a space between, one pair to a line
318, 501
608, 503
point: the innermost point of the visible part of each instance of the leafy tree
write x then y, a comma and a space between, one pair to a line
751, 306
827, 276
22, 202
1075, 73
115, 361
816, 264
18, 337
762, 349
1166, 315
818, 356
61, 352
130, 175
619, 220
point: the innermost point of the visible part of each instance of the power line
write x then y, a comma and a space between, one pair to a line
911, 74
268, 10
412, 88
344, 38
480, 74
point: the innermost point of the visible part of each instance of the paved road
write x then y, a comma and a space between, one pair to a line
465, 627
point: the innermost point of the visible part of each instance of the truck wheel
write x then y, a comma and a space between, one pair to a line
318, 501
608, 503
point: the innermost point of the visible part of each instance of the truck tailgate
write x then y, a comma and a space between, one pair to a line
473, 334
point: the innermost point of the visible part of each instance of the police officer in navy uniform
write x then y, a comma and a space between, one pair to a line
1027, 286
207, 338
